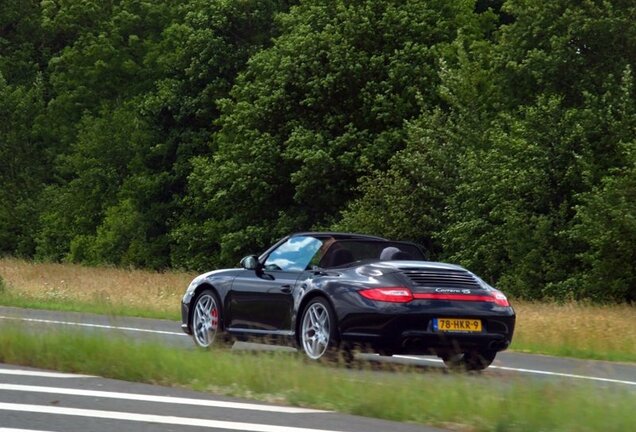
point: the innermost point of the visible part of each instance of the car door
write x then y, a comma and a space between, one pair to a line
262, 301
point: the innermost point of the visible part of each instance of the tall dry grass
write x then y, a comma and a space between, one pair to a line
110, 288
572, 329
577, 330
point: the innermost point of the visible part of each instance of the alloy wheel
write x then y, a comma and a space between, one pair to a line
205, 320
316, 330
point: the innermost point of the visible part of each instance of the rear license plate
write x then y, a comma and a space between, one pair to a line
456, 325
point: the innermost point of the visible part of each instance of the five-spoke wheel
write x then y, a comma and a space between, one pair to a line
205, 319
317, 332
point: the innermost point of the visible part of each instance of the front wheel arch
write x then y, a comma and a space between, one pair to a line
195, 296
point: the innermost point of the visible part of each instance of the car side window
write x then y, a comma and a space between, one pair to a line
293, 255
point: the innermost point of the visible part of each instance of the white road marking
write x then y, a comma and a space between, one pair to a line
432, 360
151, 418
41, 374
103, 326
536, 372
565, 375
19, 430
160, 399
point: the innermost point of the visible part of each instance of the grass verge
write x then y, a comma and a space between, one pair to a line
104, 290
459, 402
580, 330
101, 307
573, 329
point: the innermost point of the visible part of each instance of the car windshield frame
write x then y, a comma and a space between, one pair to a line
329, 239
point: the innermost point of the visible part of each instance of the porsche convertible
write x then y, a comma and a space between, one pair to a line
329, 293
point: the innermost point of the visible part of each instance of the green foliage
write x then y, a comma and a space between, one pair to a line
514, 199
98, 165
133, 100
23, 164
606, 223
407, 200
535, 120
498, 134
323, 106
551, 135
21, 41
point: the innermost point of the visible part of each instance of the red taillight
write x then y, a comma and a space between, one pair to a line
389, 294
497, 298
404, 295
500, 299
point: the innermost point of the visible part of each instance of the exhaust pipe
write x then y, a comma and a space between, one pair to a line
497, 346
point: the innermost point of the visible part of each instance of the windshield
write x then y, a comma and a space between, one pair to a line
293, 255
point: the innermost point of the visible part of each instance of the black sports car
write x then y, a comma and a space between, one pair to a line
325, 291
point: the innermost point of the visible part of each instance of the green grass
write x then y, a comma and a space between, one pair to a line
574, 351
467, 403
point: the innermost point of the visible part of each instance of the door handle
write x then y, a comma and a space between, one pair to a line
286, 289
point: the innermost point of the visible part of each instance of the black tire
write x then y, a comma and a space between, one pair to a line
386, 352
470, 361
318, 336
206, 320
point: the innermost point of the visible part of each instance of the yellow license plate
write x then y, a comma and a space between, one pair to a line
456, 325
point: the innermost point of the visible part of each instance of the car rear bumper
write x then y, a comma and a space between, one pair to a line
414, 333
422, 342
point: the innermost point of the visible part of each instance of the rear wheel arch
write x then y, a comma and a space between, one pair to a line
318, 334
301, 310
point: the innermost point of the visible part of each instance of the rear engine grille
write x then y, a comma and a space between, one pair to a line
427, 278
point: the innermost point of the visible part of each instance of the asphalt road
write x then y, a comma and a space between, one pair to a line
42, 401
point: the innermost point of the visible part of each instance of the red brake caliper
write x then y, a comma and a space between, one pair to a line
215, 317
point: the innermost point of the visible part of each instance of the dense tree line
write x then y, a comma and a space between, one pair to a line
498, 134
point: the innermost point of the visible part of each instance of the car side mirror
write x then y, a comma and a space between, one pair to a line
251, 262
